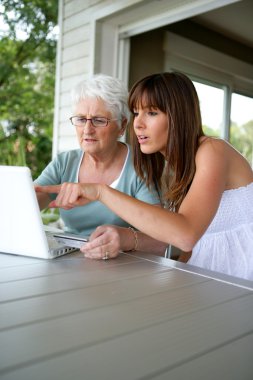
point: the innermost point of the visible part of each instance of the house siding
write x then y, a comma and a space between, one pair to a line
90, 31
75, 58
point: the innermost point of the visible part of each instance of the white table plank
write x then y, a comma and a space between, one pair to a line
232, 361
142, 353
72, 331
75, 279
129, 318
29, 310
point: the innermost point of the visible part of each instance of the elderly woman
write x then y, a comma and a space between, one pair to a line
100, 117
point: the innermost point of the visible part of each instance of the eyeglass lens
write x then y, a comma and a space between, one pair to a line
95, 121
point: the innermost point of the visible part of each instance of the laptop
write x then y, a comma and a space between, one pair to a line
21, 227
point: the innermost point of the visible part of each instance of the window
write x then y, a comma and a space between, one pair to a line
241, 127
219, 79
211, 105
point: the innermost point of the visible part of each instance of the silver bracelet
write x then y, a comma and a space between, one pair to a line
135, 239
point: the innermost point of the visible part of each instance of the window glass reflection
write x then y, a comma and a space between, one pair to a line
211, 106
241, 128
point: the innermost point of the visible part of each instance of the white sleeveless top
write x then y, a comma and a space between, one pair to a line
227, 244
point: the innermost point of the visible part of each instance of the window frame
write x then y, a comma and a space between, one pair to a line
210, 67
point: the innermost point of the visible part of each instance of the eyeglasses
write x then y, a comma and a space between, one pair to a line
97, 122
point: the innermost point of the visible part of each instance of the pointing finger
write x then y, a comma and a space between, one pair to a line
48, 189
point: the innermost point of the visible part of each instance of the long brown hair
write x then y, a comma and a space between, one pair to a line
174, 94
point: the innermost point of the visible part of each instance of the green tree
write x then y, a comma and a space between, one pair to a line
210, 131
27, 76
241, 137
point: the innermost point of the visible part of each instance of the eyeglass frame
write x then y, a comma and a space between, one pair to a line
91, 120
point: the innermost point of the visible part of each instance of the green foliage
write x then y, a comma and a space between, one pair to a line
210, 131
27, 76
50, 215
241, 137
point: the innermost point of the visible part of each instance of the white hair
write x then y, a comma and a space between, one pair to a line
111, 90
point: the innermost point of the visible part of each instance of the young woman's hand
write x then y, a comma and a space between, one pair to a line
70, 195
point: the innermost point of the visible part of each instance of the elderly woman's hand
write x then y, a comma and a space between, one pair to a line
104, 243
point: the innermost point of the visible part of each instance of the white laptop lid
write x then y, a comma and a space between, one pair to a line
21, 227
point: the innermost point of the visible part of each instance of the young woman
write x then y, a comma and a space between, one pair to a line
207, 185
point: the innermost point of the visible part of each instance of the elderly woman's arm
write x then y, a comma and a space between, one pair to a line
110, 240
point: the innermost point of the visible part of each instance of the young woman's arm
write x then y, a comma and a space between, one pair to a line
43, 200
182, 229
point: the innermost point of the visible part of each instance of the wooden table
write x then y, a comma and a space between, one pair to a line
136, 317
